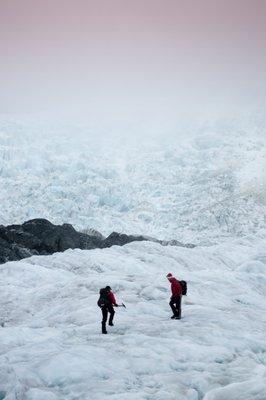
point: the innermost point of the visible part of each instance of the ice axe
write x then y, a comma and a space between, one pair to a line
122, 305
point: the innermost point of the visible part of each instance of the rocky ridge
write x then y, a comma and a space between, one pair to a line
41, 237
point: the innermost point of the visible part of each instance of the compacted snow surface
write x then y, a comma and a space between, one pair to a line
207, 189
52, 346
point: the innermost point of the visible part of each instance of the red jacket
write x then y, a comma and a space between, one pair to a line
112, 299
175, 287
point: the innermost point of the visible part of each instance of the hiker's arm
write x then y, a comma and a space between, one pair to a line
113, 300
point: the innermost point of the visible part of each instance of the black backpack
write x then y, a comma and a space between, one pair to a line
103, 299
184, 287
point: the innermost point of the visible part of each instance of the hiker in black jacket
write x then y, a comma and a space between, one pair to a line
107, 302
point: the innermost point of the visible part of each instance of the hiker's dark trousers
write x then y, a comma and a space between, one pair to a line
105, 309
175, 304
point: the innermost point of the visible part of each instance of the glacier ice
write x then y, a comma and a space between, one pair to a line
51, 342
198, 188
207, 187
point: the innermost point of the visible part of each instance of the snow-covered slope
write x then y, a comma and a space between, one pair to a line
200, 185
52, 348
204, 185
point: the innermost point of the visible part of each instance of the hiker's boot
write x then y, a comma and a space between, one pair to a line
104, 328
110, 323
174, 317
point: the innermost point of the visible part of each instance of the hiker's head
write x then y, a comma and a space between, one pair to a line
169, 276
108, 288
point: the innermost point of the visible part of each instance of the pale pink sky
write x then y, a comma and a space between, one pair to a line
134, 52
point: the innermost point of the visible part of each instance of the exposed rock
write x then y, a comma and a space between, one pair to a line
41, 237
92, 232
120, 239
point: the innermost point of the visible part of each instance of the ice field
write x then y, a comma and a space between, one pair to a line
206, 188
200, 185
52, 348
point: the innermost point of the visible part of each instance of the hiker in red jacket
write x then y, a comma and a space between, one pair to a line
175, 301
107, 302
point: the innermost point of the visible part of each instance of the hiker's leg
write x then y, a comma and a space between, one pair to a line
104, 328
112, 313
105, 314
172, 304
178, 306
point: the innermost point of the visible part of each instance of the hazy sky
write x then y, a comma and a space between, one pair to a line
136, 54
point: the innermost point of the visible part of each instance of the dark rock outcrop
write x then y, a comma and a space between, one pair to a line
41, 237
120, 239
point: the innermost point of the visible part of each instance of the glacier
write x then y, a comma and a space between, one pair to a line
206, 187
52, 348
200, 186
